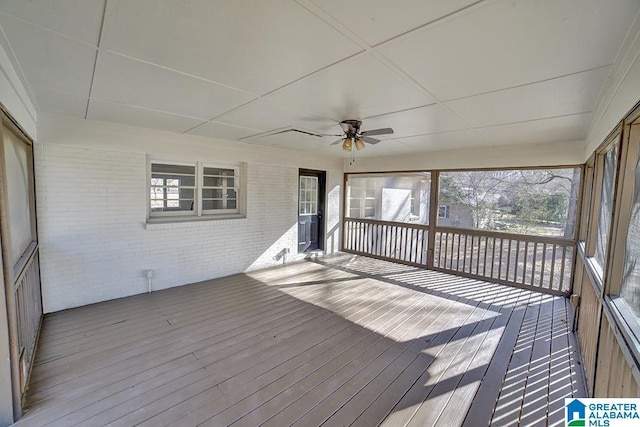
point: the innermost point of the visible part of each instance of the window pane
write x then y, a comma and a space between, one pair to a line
606, 206
212, 204
630, 291
534, 201
219, 204
176, 205
173, 180
218, 172
172, 188
390, 197
173, 169
212, 194
219, 182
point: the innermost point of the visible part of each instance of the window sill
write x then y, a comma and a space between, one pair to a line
168, 223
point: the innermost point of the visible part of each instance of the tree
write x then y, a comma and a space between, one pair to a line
516, 200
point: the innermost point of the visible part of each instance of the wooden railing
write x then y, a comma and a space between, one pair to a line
29, 312
543, 263
394, 241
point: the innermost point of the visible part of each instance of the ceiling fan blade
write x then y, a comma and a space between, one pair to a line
337, 142
383, 131
369, 140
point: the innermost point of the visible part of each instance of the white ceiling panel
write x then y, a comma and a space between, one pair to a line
510, 43
256, 46
55, 101
557, 129
444, 74
266, 116
119, 113
298, 142
418, 121
383, 148
558, 97
222, 131
127, 81
446, 141
80, 19
50, 60
379, 20
356, 88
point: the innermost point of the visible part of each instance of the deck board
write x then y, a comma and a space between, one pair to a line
344, 340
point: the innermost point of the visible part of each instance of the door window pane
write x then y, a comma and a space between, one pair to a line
308, 198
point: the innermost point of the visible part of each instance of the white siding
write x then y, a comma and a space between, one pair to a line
92, 210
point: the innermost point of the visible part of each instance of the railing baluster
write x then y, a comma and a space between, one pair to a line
544, 257
533, 263
464, 251
484, 256
564, 254
552, 273
493, 255
524, 266
508, 260
446, 249
500, 261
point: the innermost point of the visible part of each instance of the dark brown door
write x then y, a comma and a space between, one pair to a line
311, 185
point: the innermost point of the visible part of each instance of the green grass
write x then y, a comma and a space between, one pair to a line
576, 423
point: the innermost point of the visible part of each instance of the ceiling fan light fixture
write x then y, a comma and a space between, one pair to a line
359, 144
347, 144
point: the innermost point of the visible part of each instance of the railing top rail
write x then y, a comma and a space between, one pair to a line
512, 236
472, 232
391, 223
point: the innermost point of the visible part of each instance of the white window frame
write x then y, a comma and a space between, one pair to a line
447, 211
198, 213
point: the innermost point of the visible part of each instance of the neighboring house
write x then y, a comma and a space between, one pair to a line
455, 215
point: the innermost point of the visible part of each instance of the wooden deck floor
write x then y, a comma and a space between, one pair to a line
345, 340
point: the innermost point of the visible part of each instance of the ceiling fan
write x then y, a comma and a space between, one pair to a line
353, 135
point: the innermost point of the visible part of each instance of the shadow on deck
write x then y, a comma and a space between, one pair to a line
343, 340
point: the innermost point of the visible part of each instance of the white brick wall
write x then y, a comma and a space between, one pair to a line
91, 206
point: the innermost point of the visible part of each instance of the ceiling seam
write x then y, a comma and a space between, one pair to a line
550, 79
95, 62
183, 73
138, 107
440, 20
338, 26
21, 77
535, 120
49, 30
